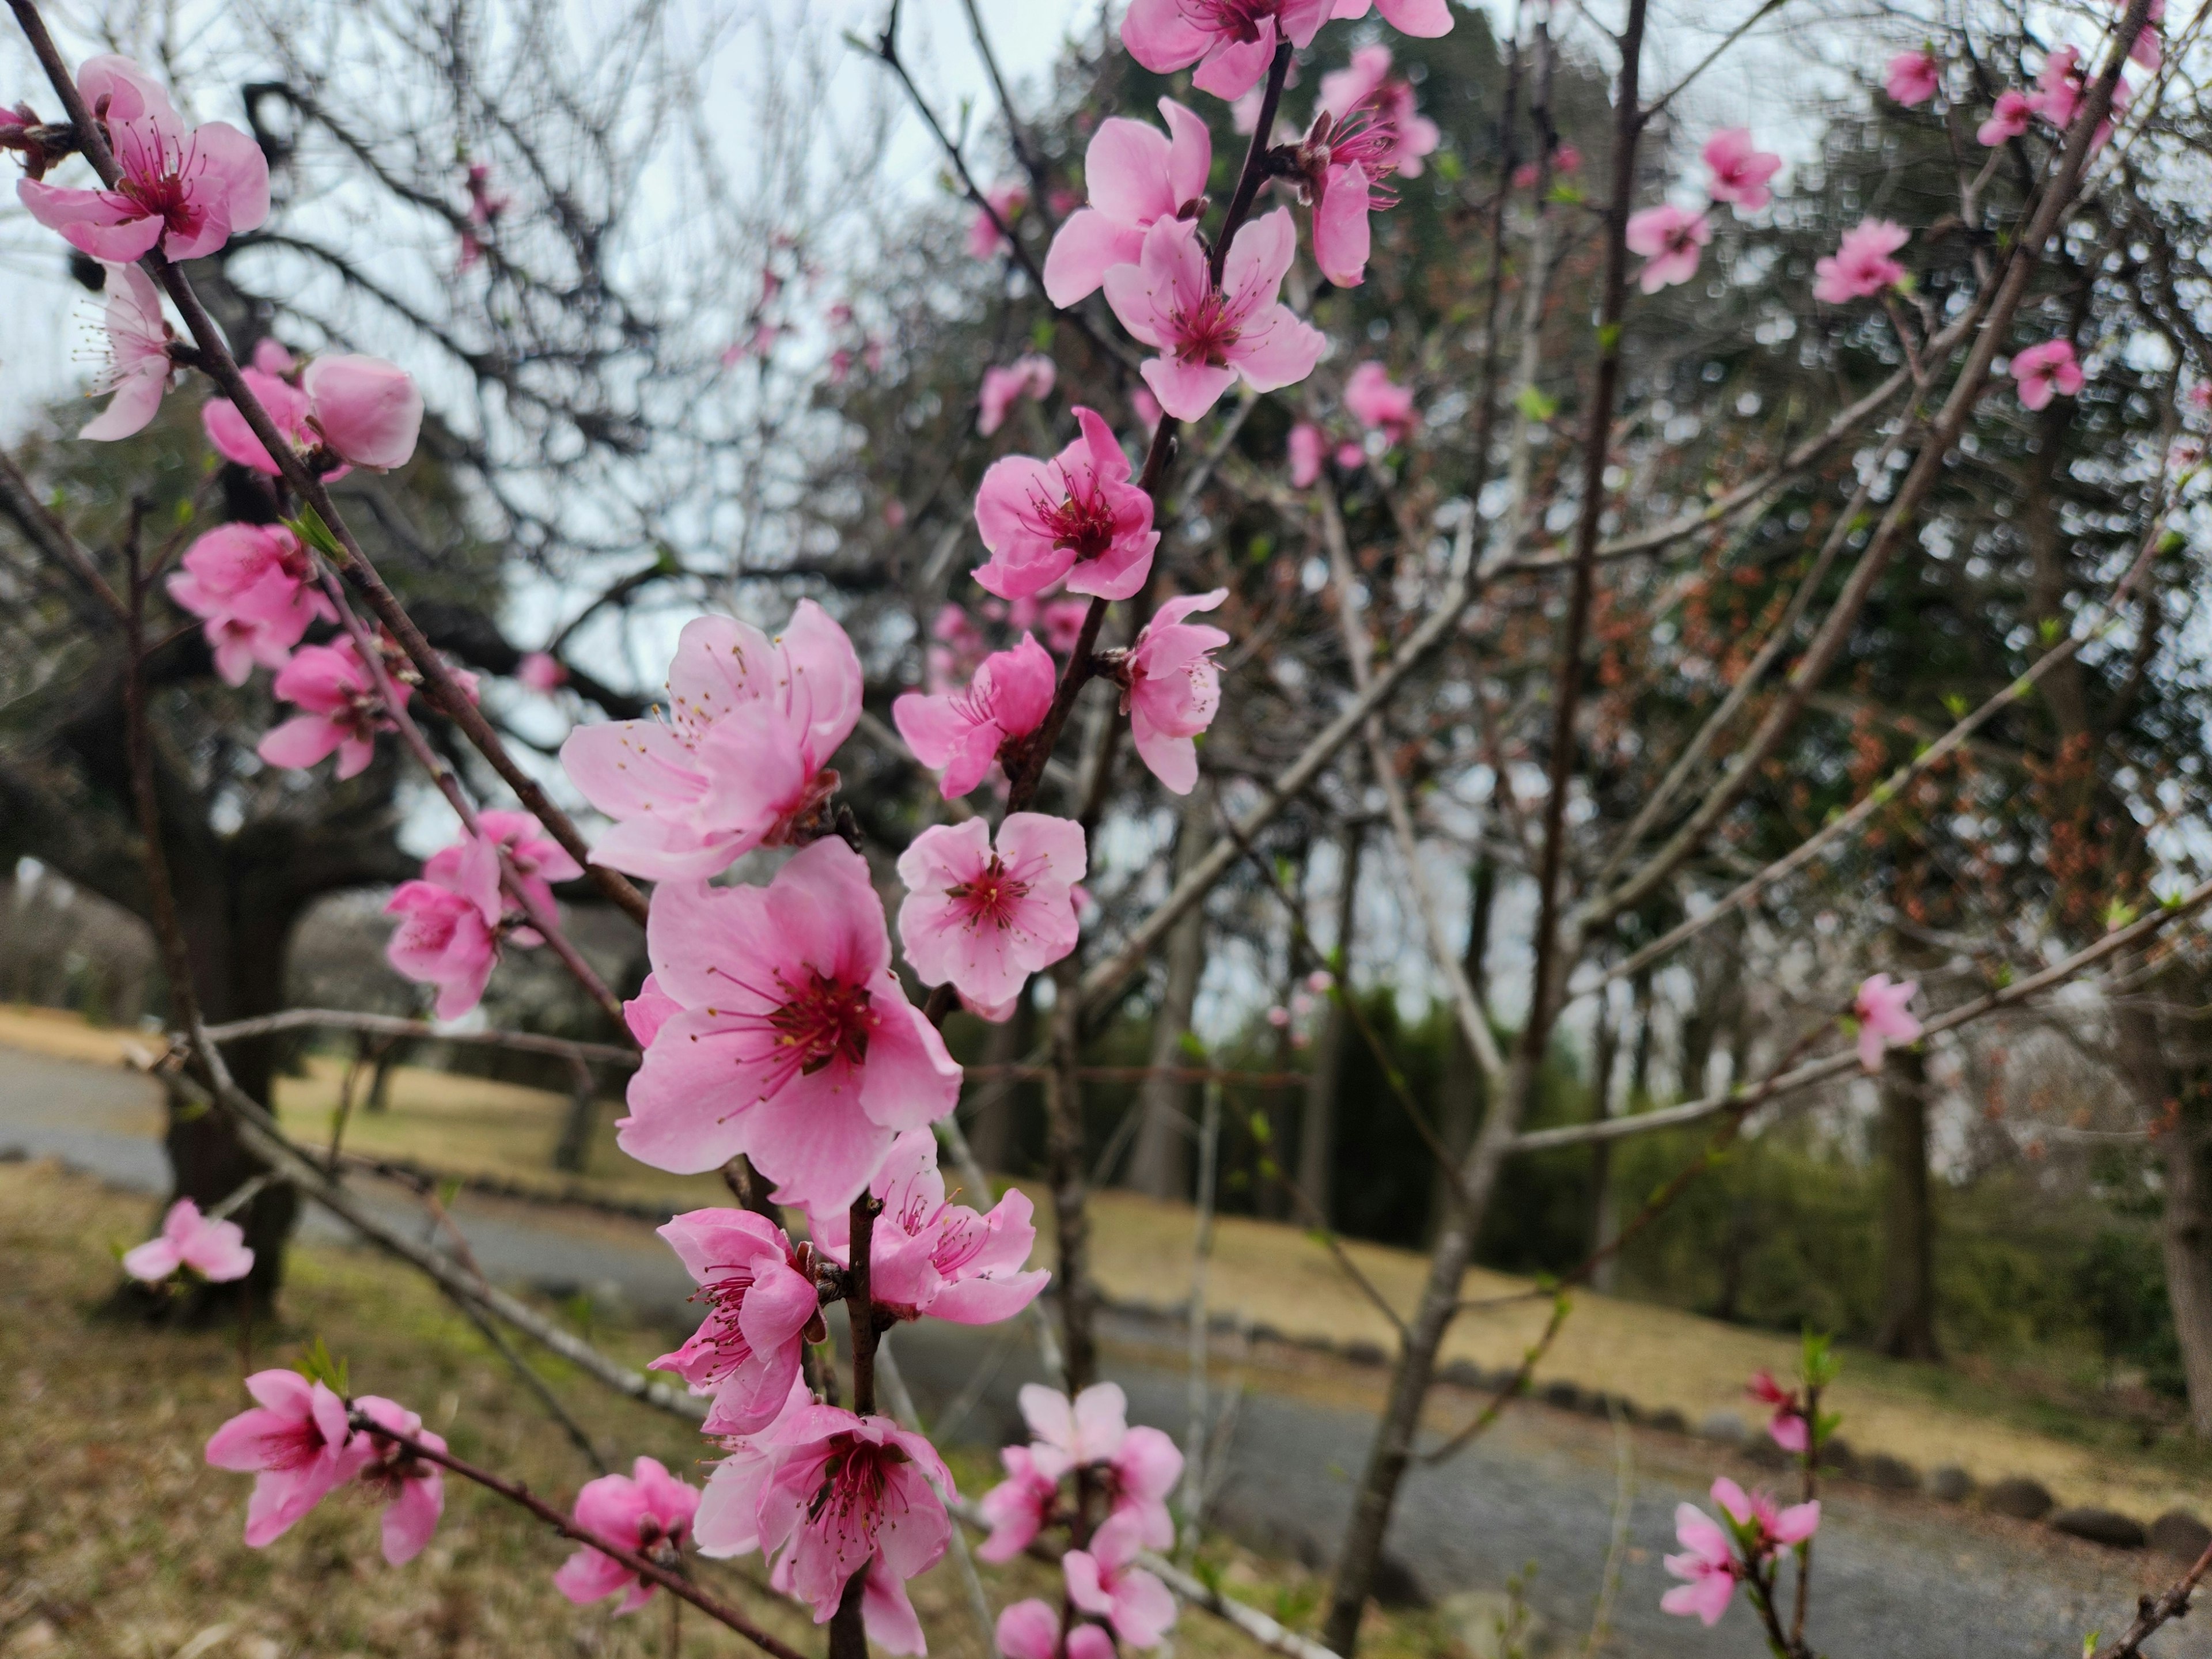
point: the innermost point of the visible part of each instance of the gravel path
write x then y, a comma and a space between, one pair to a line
1896, 1578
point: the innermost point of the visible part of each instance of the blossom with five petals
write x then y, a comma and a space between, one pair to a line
1207, 336
537, 860
2007, 120
1105, 1580
1367, 80
1763, 1526
987, 918
1092, 1431
340, 709
761, 1300
1707, 1563
1861, 265
187, 189
740, 761
1076, 516
796, 1045
1135, 175
296, 1442
1880, 1012
1740, 170
1424, 18
137, 367
1018, 1506
1912, 77
1668, 237
413, 1488
2045, 370
648, 1511
1171, 688
963, 732
449, 931
215, 1250
251, 585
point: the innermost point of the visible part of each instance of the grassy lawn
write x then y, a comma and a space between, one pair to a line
1988, 1421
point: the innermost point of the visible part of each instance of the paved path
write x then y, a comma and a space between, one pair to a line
1896, 1578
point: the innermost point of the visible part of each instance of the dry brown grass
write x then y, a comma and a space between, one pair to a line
117, 1540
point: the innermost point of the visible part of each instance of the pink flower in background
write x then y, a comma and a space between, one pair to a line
1105, 1580
1076, 517
1080, 1433
1740, 170
1913, 77
962, 733
1008, 200
1378, 403
760, 1300
1424, 18
928, 1256
136, 369
2057, 92
187, 189
2045, 370
367, 411
1305, 452
1861, 266
1173, 687
1320, 982
1350, 455
2007, 120
1706, 1562
1030, 1630
215, 1250
1787, 1426
297, 1443
1063, 622
1018, 1506
413, 1489
1031, 376
796, 1045
1135, 175
541, 673
648, 1511
1880, 1012
1565, 159
1279, 1018
648, 1011
740, 760
249, 585
1770, 1528
340, 710
958, 649
537, 858
983, 918
449, 934
1229, 40
1208, 336
1670, 238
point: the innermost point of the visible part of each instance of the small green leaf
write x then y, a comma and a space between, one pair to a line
310, 528
1531, 402
1262, 1131
1956, 704
185, 511
1448, 166
1609, 336
1567, 195
317, 1366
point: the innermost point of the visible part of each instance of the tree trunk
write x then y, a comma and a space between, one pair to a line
2169, 1092
1460, 1101
1605, 1231
1160, 1167
1318, 1120
1908, 1216
1605, 1049
574, 1149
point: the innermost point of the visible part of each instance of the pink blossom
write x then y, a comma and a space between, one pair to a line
1426, 19
648, 1511
1008, 200
1147, 410
1305, 450
1350, 456
738, 763
1787, 1426
648, 1011
413, 1488
2042, 370
1740, 172
760, 1299
958, 649
297, 1443
1669, 238
1279, 1018
541, 673
1861, 265
1378, 403
340, 710
187, 189
1766, 1527
249, 585
1105, 1580
1707, 1563
1208, 336
1030, 376
1880, 1012
137, 367
1367, 80
1565, 159
1018, 1506
536, 858
2059, 88
1320, 982
1173, 687
1030, 1630
928, 1256
796, 1045
449, 931
367, 411
1913, 77
1229, 40
986, 919
1063, 620
1135, 176
836, 1494
289, 411
215, 1250
963, 732
1141, 1465
2007, 120
1076, 517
